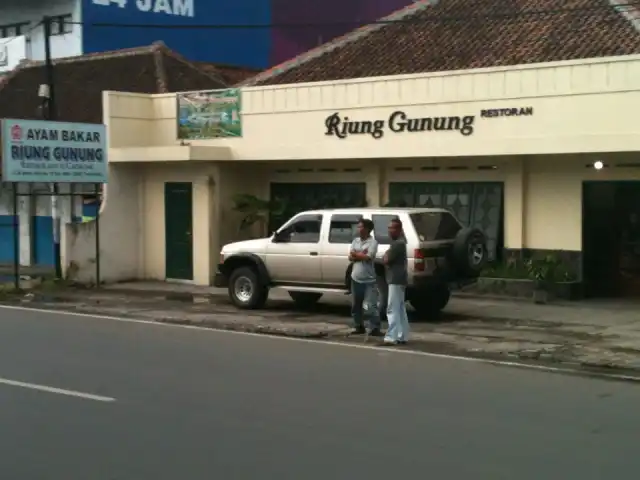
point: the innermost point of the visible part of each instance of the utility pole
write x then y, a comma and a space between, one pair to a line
51, 113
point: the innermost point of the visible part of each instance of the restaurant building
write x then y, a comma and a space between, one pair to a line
542, 154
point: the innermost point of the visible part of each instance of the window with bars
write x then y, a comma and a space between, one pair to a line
299, 197
61, 24
476, 204
14, 29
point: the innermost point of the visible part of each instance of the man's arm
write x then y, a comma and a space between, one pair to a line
394, 252
367, 254
373, 249
353, 255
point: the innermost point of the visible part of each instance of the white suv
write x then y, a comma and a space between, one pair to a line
308, 256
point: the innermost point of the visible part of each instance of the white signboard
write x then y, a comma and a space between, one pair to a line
12, 51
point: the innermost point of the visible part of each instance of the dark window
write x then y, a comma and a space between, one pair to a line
305, 229
13, 30
475, 204
301, 197
381, 228
61, 25
343, 228
449, 227
435, 226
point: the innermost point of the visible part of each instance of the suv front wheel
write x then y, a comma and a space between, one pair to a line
246, 290
429, 303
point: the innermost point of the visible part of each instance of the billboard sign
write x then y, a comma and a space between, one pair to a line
53, 152
210, 114
182, 26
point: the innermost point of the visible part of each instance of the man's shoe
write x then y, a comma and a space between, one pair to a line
358, 331
376, 332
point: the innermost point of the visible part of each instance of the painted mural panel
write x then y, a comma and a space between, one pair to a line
212, 114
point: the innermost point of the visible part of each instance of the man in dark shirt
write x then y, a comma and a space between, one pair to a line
397, 275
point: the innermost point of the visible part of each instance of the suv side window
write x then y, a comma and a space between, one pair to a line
305, 229
381, 228
448, 228
432, 226
343, 228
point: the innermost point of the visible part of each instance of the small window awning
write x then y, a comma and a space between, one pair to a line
170, 154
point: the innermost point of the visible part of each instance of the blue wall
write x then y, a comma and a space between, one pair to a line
42, 241
7, 239
247, 47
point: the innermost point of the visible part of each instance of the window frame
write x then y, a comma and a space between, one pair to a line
386, 232
61, 25
358, 218
5, 30
287, 228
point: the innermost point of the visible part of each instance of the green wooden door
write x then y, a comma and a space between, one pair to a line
178, 221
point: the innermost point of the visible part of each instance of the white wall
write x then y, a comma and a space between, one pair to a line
12, 11
14, 50
579, 106
120, 233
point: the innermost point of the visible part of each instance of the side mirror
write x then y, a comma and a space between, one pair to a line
279, 236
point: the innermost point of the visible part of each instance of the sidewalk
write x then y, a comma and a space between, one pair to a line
594, 334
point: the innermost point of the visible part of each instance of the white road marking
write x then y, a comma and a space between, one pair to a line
59, 391
396, 350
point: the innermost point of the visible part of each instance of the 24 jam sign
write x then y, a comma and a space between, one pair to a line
180, 8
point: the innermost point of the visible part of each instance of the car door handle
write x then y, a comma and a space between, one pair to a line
313, 254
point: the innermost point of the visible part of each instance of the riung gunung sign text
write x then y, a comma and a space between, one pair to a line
53, 152
400, 122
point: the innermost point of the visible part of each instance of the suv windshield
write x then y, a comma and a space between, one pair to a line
430, 226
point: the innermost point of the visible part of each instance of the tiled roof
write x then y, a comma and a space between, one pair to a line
81, 80
433, 36
230, 74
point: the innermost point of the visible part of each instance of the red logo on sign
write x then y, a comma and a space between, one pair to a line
16, 132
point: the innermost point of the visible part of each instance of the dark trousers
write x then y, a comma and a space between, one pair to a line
364, 303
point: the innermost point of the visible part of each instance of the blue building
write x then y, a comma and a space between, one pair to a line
82, 26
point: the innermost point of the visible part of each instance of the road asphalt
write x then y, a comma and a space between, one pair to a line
199, 404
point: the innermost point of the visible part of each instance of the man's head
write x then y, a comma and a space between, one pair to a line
395, 228
365, 227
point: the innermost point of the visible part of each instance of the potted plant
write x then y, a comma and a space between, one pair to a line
256, 211
543, 272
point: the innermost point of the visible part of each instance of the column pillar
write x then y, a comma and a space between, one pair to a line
26, 211
515, 191
201, 231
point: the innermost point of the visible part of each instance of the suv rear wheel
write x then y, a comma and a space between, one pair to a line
305, 299
429, 303
470, 254
246, 290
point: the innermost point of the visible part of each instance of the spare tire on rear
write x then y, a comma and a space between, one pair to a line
469, 252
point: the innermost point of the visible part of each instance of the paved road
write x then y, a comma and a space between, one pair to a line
194, 405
